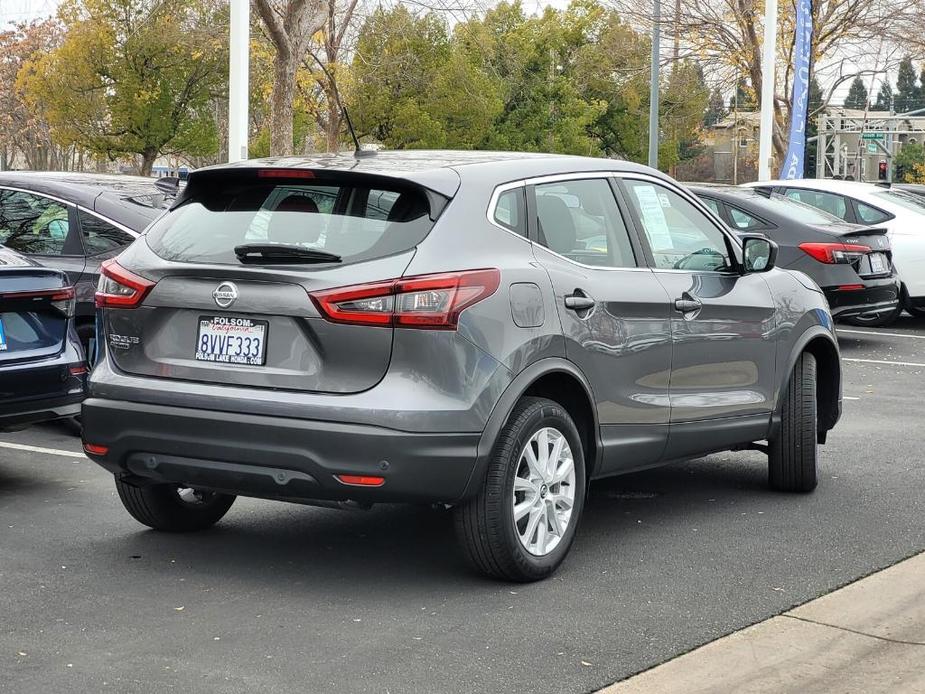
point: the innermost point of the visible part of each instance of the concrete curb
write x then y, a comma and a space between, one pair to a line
866, 637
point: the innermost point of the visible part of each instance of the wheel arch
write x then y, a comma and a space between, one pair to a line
822, 345
559, 380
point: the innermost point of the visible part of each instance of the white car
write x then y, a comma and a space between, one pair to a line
900, 212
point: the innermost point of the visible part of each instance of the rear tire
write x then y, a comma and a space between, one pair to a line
792, 454
548, 498
171, 508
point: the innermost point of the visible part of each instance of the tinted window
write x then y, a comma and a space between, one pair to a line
350, 220
32, 224
871, 215
100, 236
581, 221
743, 221
510, 212
681, 236
827, 202
712, 204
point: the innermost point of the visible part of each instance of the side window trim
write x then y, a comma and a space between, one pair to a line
733, 245
80, 209
493, 204
112, 222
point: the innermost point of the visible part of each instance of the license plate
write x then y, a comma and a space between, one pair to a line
878, 263
232, 340
2, 337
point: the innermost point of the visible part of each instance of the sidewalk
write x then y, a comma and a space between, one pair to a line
867, 637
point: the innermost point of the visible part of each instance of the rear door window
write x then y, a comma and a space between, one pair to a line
510, 211
344, 217
33, 224
99, 236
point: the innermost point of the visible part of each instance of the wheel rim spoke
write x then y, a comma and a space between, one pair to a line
544, 490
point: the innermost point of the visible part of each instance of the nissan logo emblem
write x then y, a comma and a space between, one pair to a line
225, 294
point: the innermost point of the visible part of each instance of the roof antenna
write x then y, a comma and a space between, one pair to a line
358, 151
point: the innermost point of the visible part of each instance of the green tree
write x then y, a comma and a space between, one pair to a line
716, 108
884, 96
813, 108
744, 97
131, 77
909, 162
857, 95
907, 90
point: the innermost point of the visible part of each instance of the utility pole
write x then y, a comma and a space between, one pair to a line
653, 85
238, 91
767, 91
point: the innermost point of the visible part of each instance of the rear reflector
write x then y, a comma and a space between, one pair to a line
94, 449
361, 480
431, 302
78, 370
119, 288
285, 173
850, 287
834, 253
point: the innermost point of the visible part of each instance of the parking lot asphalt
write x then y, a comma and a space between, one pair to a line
281, 598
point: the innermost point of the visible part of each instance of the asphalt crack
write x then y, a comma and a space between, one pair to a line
855, 631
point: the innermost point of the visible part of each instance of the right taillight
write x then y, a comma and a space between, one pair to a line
431, 302
119, 288
835, 253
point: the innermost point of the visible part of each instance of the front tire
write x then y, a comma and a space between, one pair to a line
522, 522
172, 508
792, 454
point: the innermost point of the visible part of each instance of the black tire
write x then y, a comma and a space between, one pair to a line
792, 454
85, 333
915, 311
485, 524
160, 506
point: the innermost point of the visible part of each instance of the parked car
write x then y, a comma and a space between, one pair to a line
75, 221
517, 326
850, 262
42, 366
900, 212
917, 189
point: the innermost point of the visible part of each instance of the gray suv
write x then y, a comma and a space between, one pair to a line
488, 331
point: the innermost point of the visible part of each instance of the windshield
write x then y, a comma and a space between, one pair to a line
798, 211
903, 199
354, 222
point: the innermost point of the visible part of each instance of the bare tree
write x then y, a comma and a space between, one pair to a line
290, 26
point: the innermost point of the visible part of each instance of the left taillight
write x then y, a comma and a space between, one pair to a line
119, 288
62, 300
428, 302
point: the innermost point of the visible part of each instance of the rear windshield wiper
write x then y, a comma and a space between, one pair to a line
281, 253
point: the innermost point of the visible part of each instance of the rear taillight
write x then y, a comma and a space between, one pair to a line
431, 302
119, 288
835, 253
62, 299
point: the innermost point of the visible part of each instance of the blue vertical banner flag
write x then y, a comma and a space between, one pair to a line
802, 56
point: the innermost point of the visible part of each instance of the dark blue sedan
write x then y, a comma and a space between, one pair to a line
43, 371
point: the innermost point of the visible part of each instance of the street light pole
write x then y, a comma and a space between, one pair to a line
653, 85
238, 92
767, 91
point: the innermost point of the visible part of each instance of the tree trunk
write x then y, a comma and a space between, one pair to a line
281, 139
147, 161
332, 125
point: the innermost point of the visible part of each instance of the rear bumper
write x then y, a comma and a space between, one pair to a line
877, 296
37, 411
274, 457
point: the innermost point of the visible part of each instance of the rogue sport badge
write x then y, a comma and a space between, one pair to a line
225, 294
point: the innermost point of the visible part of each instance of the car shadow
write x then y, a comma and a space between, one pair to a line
302, 547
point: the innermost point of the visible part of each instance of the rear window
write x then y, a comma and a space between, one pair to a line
352, 219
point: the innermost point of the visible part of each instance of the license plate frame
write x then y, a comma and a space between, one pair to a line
878, 264
238, 347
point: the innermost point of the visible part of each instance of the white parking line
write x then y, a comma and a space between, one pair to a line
871, 332
39, 449
888, 363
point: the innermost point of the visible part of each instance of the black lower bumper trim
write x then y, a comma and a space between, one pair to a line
272, 457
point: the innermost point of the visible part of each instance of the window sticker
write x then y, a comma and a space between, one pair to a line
651, 206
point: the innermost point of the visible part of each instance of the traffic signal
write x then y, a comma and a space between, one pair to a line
882, 170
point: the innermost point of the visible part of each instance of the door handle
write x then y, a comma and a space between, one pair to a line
687, 305
579, 301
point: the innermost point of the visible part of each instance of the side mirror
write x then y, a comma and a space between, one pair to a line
759, 254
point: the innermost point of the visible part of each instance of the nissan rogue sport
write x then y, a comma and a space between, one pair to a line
487, 331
